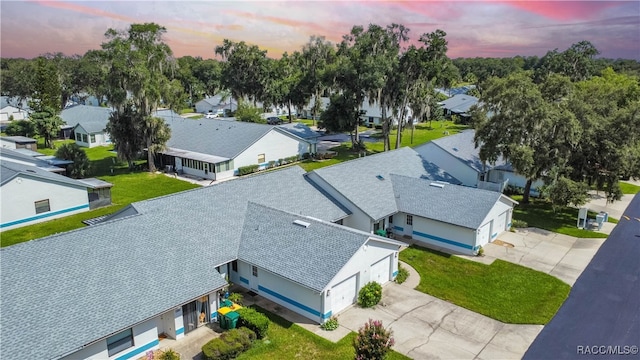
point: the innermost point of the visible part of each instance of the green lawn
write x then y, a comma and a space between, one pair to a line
503, 291
289, 341
539, 213
629, 188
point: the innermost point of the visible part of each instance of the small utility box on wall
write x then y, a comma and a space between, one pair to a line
582, 218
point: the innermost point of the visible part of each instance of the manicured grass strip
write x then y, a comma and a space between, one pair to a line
503, 291
539, 213
127, 188
629, 188
286, 340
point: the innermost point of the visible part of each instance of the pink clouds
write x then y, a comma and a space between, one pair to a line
564, 10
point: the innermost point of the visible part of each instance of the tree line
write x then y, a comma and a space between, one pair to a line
567, 116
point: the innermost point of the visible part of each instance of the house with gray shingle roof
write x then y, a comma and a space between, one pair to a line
88, 123
458, 155
363, 185
459, 105
215, 149
216, 105
112, 290
454, 218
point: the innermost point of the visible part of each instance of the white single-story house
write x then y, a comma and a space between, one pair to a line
13, 108
458, 155
383, 192
363, 185
89, 124
370, 114
452, 217
216, 104
33, 158
215, 149
18, 142
31, 195
152, 269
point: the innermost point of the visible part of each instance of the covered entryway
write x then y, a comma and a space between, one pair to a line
344, 294
380, 271
195, 314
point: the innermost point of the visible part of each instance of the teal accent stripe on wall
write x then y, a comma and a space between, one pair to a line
327, 315
443, 240
290, 301
395, 273
139, 350
399, 228
180, 331
45, 215
244, 280
494, 235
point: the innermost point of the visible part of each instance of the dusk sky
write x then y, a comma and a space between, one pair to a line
474, 28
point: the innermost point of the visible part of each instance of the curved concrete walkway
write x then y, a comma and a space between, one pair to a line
414, 278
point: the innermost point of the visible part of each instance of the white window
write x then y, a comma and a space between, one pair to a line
409, 220
119, 342
93, 138
42, 206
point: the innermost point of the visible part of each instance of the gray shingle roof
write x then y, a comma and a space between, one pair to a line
160, 253
308, 256
300, 130
11, 169
453, 204
93, 119
365, 181
224, 138
460, 103
463, 147
44, 163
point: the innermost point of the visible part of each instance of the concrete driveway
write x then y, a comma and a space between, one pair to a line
425, 327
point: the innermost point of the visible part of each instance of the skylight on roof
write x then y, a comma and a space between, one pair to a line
438, 185
380, 177
302, 223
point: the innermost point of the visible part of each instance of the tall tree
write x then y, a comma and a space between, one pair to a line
138, 62
317, 56
47, 123
245, 69
18, 78
530, 131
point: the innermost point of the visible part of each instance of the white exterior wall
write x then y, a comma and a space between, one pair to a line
436, 234
499, 208
514, 179
20, 194
145, 338
299, 299
204, 107
195, 172
435, 154
358, 219
274, 145
360, 264
178, 322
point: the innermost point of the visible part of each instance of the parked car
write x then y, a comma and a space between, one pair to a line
272, 120
211, 116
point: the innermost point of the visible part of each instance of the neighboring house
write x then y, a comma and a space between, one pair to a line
89, 124
458, 155
370, 114
216, 104
457, 218
306, 112
12, 109
18, 142
363, 185
459, 105
30, 195
114, 289
215, 149
303, 131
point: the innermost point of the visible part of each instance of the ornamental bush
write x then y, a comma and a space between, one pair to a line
229, 345
330, 324
519, 224
370, 294
373, 341
403, 274
245, 170
254, 320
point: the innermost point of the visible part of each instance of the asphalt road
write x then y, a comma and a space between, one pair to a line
601, 317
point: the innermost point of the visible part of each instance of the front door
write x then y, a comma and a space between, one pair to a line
253, 279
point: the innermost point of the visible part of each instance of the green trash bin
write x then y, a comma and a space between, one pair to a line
226, 303
232, 320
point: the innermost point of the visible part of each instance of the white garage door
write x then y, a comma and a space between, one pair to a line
343, 294
500, 224
485, 232
380, 271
